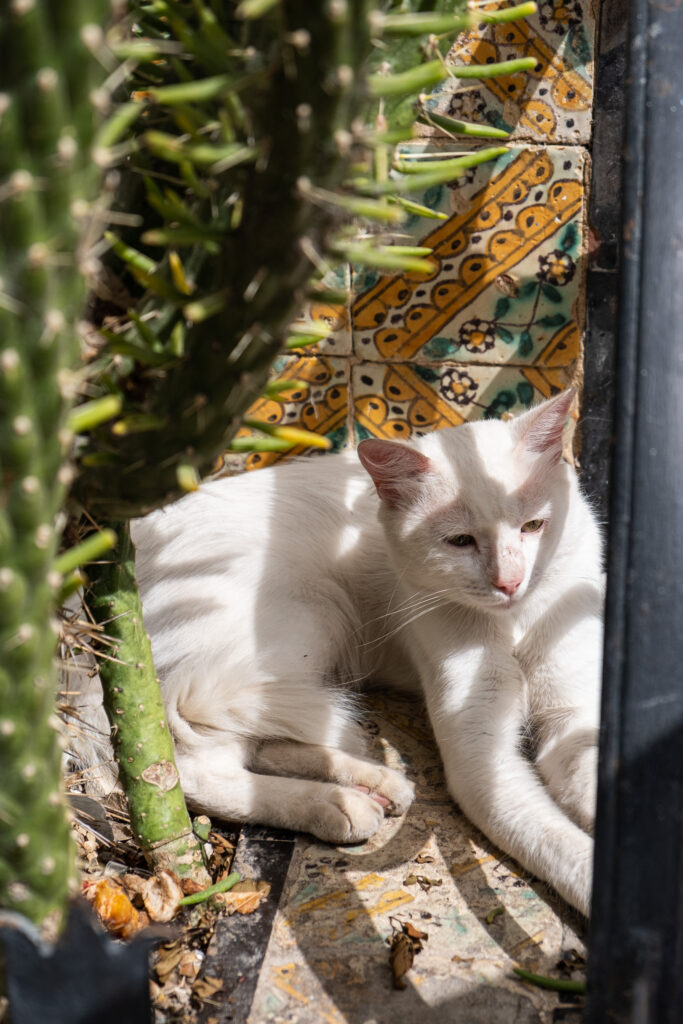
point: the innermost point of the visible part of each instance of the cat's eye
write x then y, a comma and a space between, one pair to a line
462, 540
533, 526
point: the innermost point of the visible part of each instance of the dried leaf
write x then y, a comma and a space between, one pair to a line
204, 988
161, 895
410, 880
190, 887
401, 958
134, 884
244, 897
427, 883
189, 963
405, 944
414, 933
424, 858
168, 959
113, 907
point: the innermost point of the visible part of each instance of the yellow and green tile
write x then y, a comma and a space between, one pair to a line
552, 103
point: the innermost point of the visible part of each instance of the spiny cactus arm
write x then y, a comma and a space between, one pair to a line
235, 250
46, 123
142, 742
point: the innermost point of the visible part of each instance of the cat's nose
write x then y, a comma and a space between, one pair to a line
508, 586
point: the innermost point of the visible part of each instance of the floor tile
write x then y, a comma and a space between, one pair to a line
328, 955
508, 278
549, 104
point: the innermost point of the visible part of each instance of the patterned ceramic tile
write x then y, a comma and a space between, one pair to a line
328, 957
508, 276
402, 400
552, 102
334, 315
321, 407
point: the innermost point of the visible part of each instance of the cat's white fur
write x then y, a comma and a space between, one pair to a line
270, 597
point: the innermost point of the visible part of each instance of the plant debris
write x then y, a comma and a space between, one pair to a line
113, 906
406, 942
244, 897
128, 898
422, 880
494, 913
161, 894
555, 984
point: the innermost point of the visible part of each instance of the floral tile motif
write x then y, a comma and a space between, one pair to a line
403, 400
332, 314
552, 102
321, 407
507, 283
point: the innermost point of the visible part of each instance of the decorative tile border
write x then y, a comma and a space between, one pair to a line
551, 103
508, 269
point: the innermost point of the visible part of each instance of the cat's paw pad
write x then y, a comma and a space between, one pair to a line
390, 789
347, 816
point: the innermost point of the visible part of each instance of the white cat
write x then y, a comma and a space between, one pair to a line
471, 567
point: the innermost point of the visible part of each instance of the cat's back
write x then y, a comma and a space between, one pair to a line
295, 509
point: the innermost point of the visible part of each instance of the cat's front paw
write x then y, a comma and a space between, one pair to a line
385, 785
347, 816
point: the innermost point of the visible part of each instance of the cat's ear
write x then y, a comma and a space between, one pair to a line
394, 468
540, 430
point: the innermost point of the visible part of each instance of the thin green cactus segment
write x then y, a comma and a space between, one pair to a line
420, 174
453, 126
47, 72
418, 24
503, 67
407, 82
141, 738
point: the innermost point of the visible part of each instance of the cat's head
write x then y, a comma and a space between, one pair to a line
476, 512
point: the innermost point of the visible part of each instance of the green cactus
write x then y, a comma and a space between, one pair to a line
142, 741
47, 72
225, 139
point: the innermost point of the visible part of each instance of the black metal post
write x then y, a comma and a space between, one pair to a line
636, 950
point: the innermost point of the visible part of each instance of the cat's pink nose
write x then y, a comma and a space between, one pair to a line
509, 587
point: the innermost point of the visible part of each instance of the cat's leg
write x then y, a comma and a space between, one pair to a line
311, 761
564, 704
216, 782
476, 705
567, 759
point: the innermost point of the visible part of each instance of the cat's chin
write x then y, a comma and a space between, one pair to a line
505, 602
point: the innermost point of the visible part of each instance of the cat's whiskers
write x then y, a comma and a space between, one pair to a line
428, 603
410, 604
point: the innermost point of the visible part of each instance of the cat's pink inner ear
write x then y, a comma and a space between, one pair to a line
540, 430
393, 468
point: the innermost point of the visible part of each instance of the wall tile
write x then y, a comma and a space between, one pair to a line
508, 278
549, 104
403, 400
321, 407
